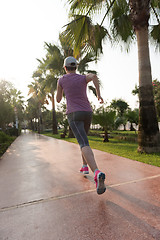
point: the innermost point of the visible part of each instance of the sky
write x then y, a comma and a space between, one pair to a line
26, 25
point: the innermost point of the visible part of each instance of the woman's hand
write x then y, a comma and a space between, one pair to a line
100, 99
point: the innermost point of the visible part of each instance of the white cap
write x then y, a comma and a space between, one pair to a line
70, 62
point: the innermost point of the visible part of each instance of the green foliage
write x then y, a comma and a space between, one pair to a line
76, 33
3, 137
11, 102
6, 114
105, 118
83, 34
121, 25
54, 59
136, 90
155, 34
5, 141
132, 116
120, 121
83, 64
120, 106
124, 17
156, 91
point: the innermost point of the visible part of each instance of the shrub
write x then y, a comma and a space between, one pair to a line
5, 141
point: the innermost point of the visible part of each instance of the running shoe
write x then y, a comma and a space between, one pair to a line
99, 179
84, 170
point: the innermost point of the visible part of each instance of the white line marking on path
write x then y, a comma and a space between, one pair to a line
4, 209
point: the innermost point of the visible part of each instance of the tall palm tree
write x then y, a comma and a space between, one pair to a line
49, 83
148, 136
31, 113
49, 70
38, 93
128, 20
50, 86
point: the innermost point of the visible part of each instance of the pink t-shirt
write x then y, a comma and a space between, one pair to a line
74, 87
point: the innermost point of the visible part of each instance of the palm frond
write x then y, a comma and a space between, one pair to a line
92, 89
82, 34
85, 6
77, 32
98, 35
121, 25
66, 48
109, 7
155, 34
155, 4
83, 64
156, 11
54, 58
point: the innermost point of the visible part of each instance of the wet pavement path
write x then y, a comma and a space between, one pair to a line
44, 197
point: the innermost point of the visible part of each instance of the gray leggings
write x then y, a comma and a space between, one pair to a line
80, 123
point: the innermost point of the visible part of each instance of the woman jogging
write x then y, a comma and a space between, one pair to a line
79, 114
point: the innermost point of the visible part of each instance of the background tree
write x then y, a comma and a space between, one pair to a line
10, 100
132, 117
32, 113
156, 92
17, 101
62, 119
128, 20
7, 111
38, 93
48, 82
120, 106
105, 117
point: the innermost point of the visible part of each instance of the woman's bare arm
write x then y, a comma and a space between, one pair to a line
92, 77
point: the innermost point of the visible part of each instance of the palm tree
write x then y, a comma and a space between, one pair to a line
49, 83
127, 20
105, 118
12, 105
49, 71
120, 106
38, 93
31, 113
132, 117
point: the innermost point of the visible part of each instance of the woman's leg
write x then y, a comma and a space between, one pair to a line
88, 155
77, 123
80, 123
83, 159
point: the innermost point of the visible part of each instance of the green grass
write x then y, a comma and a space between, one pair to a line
118, 147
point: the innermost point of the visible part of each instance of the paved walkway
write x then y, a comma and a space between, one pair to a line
44, 197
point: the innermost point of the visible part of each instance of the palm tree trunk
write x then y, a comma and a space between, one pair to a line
54, 118
105, 136
39, 119
31, 124
148, 133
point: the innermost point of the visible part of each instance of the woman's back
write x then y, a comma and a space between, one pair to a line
74, 87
